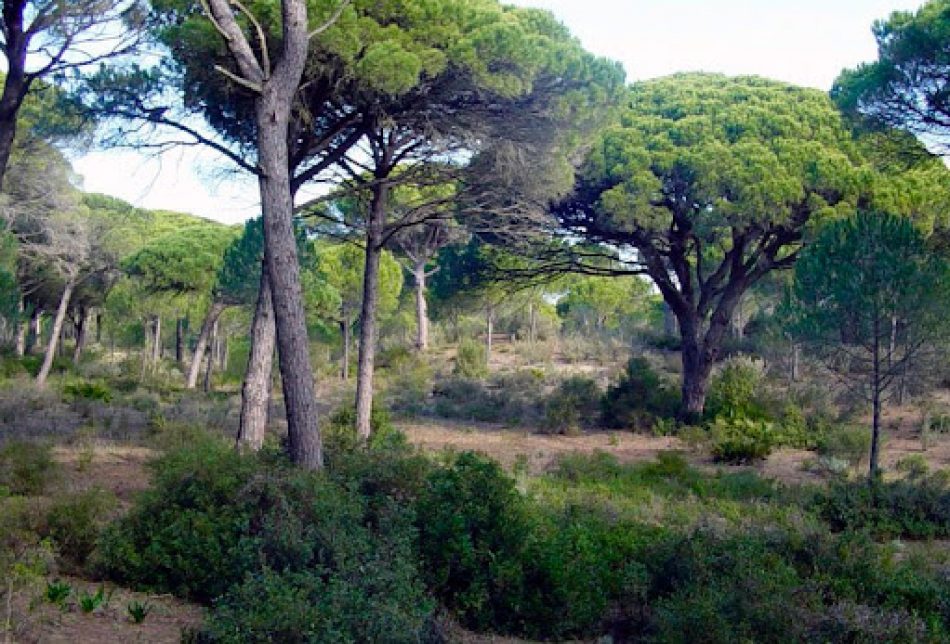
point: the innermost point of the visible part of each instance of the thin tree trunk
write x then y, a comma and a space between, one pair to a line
21, 330
180, 341
42, 376
422, 308
532, 324
346, 330
82, 329
156, 339
209, 368
34, 337
875, 402
367, 351
98, 327
796, 361
489, 328
210, 320
255, 393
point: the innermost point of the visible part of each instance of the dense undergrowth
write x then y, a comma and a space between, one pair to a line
386, 543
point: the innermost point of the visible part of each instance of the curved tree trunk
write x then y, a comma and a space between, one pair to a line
255, 393
42, 376
210, 320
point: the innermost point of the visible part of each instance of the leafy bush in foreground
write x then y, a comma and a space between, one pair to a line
639, 398
239, 530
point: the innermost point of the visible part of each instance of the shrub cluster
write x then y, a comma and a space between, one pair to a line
285, 555
639, 398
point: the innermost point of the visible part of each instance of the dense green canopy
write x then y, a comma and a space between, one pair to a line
908, 86
706, 185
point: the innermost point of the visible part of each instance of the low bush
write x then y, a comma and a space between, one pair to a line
918, 508
741, 440
87, 390
639, 397
26, 468
74, 522
471, 360
734, 391
848, 443
572, 405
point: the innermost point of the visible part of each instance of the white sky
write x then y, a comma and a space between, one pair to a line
806, 42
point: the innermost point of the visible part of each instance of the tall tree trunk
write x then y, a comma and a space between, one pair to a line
255, 393
697, 365
209, 368
21, 330
876, 387
300, 399
156, 339
210, 321
98, 327
367, 351
54, 336
422, 307
272, 112
82, 330
180, 341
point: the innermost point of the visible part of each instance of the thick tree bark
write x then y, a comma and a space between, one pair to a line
367, 352
422, 307
16, 84
210, 321
696, 370
255, 393
67, 295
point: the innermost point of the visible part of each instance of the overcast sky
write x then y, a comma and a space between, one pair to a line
806, 42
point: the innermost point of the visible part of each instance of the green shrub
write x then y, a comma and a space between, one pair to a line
74, 523
339, 434
473, 527
275, 548
917, 508
574, 404
741, 440
848, 443
734, 390
86, 390
638, 398
471, 360
26, 468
